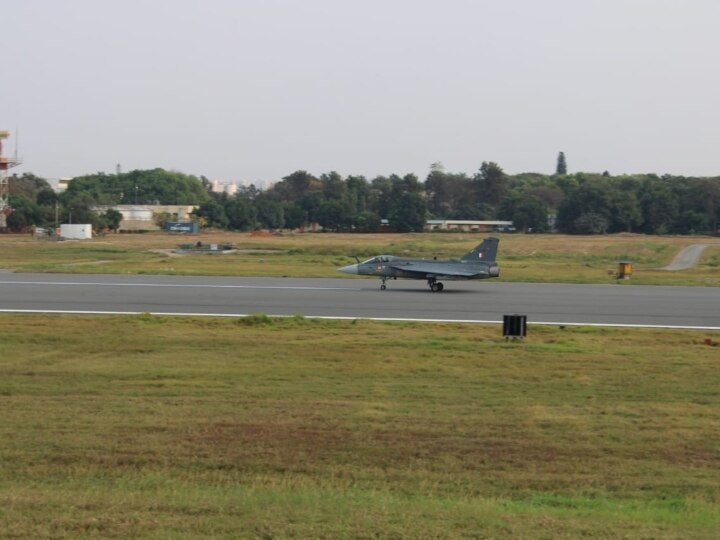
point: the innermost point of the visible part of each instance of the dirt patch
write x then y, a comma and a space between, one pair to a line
86, 263
182, 253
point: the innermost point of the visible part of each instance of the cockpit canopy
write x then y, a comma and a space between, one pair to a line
379, 259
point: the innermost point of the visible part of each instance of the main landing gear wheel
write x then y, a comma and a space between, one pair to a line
435, 286
382, 286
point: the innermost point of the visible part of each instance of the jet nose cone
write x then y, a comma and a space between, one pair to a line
350, 269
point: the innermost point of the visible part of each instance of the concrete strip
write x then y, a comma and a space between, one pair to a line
688, 257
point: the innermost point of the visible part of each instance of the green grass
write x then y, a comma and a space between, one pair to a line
164, 427
535, 258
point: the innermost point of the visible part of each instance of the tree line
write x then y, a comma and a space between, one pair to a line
578, 203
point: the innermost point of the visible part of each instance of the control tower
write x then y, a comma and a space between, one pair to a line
5, 164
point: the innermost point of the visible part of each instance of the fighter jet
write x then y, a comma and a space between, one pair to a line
477, 264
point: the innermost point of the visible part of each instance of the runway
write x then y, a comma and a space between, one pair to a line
462, 301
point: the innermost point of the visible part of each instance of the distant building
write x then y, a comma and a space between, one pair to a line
141, 217
468, 225
62, 184
216, 186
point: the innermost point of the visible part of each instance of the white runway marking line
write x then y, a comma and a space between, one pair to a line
178, 285
341, 318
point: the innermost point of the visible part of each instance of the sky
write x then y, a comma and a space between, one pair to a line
253, 90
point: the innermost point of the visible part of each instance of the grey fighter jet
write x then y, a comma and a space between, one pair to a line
479, 263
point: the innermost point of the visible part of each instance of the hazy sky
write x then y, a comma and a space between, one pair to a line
256, 89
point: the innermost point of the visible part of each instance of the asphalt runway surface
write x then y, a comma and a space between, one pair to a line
466, 301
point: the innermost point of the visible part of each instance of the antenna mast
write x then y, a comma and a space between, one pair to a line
5, 165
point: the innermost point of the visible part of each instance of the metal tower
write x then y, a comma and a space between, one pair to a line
5, 164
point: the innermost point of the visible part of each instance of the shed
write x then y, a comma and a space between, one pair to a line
76, 231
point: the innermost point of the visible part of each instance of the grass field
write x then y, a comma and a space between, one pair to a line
179, 428
182, 428
550, 258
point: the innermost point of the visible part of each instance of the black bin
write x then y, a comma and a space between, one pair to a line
514, 326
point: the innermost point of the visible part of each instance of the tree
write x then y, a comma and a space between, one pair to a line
249, 192
334, 187
77, 207
25, 213
411, 184
593, 196
626, 213
447, 192
703, 196
659, 205
692, 222
590, 223
162, 218
310, 204
334, 215
367, 221
478, 211
491, 183
270, 214
294, 186
155, 186
526, 211
213, 213
551, 196
27, 184
407, 213
241, 214
294, 216
380, 193
561, 167
437, 191
358, 193
113, 218
46, 197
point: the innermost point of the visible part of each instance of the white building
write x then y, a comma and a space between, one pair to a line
468, 225
141, 217
62, 184
216, 186
76, 231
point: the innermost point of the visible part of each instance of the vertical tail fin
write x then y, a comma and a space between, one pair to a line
487, 251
